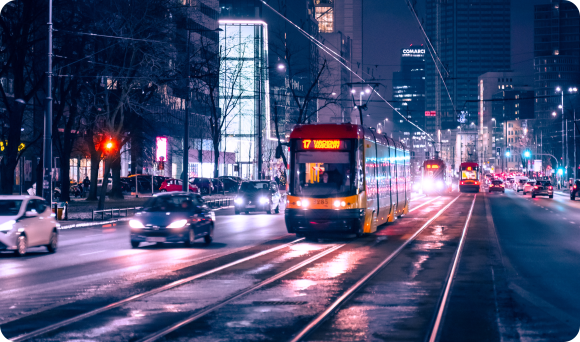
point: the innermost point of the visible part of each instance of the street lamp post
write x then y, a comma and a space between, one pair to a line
46, 188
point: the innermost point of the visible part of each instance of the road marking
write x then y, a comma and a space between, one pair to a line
348, 293
166, 287
92, 253
424, 204
456, 259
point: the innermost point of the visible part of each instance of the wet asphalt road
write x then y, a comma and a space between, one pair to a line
517, 279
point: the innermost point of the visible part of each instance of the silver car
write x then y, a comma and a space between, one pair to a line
26, 221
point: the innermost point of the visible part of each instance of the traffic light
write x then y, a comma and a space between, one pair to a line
527, 154
508, 153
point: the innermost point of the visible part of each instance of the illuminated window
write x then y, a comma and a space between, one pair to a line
325, 17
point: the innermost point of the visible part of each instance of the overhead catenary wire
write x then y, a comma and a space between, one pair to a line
433, 54
341, 60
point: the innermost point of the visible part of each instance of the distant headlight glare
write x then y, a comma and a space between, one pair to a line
136, 224
239, 201
264, 200
7, 225
178, 224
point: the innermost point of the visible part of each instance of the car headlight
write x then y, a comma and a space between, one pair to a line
264, 200
7, 225
239, 201
178, 224
212, 215
136, 224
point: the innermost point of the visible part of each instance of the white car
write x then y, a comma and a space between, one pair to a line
26, 221
529, 186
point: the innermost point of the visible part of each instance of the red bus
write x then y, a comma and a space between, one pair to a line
434, 178
469, 173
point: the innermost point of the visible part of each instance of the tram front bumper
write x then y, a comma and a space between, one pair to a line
324, 220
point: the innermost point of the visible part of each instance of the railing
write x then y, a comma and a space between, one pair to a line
112, 211
212, 203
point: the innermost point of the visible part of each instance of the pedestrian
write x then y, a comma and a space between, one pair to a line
86, 184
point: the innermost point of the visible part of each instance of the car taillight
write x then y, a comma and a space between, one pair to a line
574, 186
535, 187
462, 183
553, 188
501, 185
476, 183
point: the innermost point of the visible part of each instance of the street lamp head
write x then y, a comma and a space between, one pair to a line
492, 119
554, 113
281, 67
353, 91
333, 94
560, 106
368, 90
558, 89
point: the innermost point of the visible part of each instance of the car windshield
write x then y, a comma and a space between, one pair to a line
9, 207
531, 183
170, 204
254, 186
523, 181
497, 182
545, 183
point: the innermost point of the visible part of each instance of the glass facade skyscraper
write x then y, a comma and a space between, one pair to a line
471, 37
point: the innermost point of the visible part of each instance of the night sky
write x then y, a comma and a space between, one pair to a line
389, 26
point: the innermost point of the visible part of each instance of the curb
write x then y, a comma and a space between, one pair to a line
88, 224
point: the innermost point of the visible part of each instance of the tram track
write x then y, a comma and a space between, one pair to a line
207, 310
330, 310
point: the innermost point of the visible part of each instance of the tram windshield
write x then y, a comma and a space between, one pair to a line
323, 174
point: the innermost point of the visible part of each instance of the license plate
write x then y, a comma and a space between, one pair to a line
250, 206
156, 239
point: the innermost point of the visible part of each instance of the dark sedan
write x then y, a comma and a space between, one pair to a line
258, 196
497, 185
173, 217
543, 188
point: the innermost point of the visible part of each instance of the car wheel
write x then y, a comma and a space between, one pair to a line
21, 245
551, 196
209, 237
572, 197
134, 244
247, 212
533, 196
163, 190
277, 210
190, 238
524, 193
237, 212
53, 243
269, 211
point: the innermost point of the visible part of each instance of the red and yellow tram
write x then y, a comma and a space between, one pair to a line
469, 177
345, 178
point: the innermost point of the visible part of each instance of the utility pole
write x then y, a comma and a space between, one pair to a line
186, 121
47, 174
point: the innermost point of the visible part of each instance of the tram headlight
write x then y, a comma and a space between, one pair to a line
440, 185
337, 204
305, 203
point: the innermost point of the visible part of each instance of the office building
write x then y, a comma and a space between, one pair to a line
471, 37
409, 88
556, 66
340, 25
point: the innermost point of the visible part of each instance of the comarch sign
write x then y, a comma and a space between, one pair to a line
414, 51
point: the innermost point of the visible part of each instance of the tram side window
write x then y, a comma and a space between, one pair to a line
360, 172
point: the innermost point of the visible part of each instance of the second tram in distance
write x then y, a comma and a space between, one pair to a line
345, 178
469, 177
434, 180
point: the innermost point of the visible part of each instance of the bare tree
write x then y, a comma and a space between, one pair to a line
21, 32
219, 82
